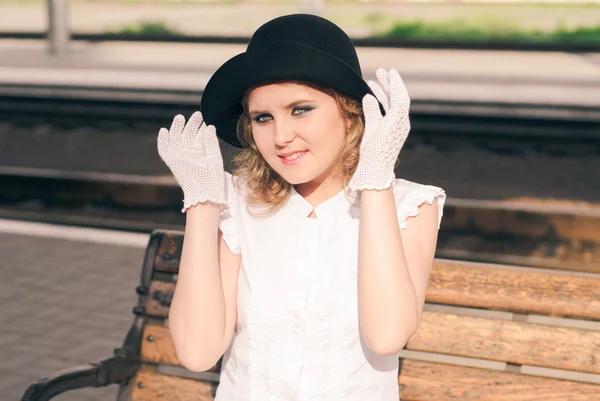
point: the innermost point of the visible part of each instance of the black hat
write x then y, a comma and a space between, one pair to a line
300, 47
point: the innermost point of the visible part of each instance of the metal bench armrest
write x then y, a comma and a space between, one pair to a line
118, 369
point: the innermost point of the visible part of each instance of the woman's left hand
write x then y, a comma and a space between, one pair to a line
384, 136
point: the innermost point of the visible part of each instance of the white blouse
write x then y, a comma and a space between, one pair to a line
297, 336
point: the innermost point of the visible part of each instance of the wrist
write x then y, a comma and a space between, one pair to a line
204, 210
372, 180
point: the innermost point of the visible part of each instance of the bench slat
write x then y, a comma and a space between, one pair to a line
159, 301
430, 381
157, 346
515, 290
451, 382
151, 385
444, 333
508, 341
481, 286
169, 253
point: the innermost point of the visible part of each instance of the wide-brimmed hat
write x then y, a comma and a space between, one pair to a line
300, 47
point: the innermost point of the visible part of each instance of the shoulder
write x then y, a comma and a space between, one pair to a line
409, 196
233, 190
236, 192
235, 186
231, 180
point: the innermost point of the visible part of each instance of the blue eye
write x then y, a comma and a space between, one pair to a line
303, 109
259, 119
297, 111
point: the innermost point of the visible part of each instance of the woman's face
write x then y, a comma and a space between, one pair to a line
288, 118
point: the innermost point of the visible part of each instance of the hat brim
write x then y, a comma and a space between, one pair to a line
280, 61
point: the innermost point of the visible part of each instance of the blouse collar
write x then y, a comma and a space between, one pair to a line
335, 205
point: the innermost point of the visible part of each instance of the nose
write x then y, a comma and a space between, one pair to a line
284, 133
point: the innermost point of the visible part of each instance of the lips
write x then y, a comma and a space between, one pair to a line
291, 153
296, 159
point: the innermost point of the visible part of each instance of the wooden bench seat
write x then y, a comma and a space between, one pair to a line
489, 332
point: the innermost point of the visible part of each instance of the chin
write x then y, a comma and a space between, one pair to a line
296, 178
296, 175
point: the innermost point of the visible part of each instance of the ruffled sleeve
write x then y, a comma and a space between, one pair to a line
410, 195
227, 217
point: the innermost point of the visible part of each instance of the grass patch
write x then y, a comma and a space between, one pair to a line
478, 28
148, 28
462, 29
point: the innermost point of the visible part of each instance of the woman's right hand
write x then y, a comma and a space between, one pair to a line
192, 153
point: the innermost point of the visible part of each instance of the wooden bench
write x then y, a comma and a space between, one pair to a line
490, 332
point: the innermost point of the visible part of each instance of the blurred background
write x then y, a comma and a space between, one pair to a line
527, 20
505, 117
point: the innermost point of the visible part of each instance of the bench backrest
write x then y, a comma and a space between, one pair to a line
489, 332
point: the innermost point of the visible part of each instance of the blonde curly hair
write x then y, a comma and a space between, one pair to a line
264, 186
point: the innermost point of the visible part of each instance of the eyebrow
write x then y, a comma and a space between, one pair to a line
289, 106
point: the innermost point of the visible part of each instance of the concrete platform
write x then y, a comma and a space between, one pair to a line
66, 302
550, 79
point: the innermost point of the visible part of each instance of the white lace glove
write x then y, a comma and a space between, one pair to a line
192, 153
384, 136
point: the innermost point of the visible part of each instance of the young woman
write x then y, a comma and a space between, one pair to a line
306, 268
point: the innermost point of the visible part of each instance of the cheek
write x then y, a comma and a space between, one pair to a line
325, 130
261, 138
331, 136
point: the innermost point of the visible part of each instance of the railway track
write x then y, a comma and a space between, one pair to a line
554, 235
529, 233
427, 116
